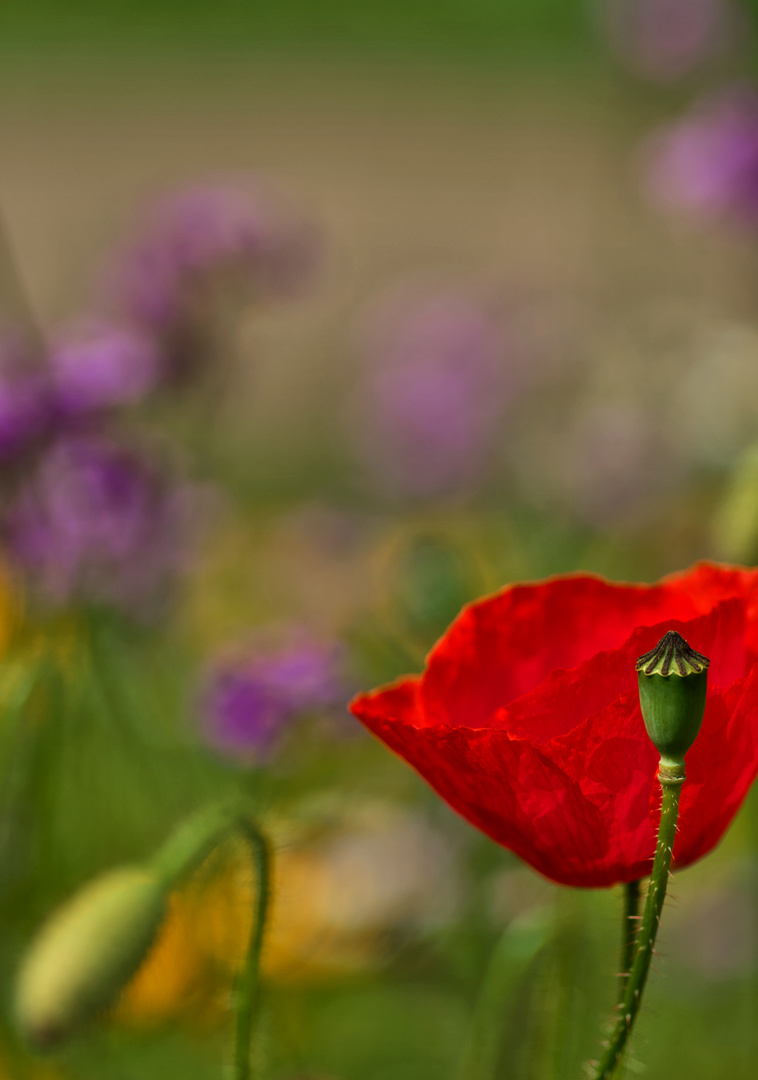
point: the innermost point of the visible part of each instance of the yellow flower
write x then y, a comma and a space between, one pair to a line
173, 979
336, 892
202, 946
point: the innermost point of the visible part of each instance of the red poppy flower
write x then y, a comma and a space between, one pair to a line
527, 722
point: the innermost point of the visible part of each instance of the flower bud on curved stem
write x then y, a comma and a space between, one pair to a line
672, 680
90, 948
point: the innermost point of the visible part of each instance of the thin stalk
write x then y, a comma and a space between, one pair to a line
248, 987
629, 929
509, 963
671, 779
179, 856
569, 1006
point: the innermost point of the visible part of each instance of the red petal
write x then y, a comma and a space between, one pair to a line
706, 583
721, 766
505, 787
566, 697
506, 645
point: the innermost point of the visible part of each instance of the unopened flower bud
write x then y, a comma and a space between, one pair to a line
86, 952
673, 681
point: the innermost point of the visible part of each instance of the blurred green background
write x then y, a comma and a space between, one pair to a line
453, 27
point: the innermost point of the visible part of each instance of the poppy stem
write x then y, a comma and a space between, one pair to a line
248, 987
629, 930
671, 778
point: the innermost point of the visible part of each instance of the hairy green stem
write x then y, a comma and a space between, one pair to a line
248, 988
629, 932
671, 779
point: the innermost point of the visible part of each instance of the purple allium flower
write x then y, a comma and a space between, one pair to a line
98, 365
707, 164
250, 703
663, 40
95, 522
432, 393
198, 233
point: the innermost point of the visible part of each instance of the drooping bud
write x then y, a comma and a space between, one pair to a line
86, 952
90, 947
673, 681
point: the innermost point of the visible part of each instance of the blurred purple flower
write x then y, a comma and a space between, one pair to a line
249, 704
707, 164
663, 40
97, 365
242, 716
197, 233
26, 411
96, 522
432, 394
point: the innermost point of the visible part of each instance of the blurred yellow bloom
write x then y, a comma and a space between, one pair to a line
334, 898
173, 980
203, 942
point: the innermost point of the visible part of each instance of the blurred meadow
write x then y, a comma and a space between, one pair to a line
319, 321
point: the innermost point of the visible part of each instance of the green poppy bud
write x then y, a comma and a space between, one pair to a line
673, 680
86, 952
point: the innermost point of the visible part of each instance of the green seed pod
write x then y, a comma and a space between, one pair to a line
86, 952
673, 680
